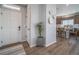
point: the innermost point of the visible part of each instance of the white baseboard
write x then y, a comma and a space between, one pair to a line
50, 44
33, 45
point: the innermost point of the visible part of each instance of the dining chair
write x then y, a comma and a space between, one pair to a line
77, 34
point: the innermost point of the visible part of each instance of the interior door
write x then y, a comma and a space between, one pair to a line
11, 26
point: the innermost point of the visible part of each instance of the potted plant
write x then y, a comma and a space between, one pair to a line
40, 38
40, 29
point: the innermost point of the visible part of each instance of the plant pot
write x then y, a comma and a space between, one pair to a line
40, 41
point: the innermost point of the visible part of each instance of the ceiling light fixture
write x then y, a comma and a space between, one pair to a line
11, 7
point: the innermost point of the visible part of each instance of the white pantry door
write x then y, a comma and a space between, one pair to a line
11, 22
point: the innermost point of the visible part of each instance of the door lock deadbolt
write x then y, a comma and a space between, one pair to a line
19, 28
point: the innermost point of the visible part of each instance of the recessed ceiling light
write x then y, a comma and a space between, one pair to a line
11, 7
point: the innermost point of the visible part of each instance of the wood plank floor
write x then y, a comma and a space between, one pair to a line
63, 47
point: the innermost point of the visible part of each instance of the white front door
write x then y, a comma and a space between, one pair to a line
16, 26
11, 23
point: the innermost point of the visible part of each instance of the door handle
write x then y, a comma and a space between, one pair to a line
19, 28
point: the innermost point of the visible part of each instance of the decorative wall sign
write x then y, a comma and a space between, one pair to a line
49, 13
50, 18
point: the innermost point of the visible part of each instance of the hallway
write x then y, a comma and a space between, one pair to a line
42, 25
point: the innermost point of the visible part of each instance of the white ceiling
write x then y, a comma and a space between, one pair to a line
63, 9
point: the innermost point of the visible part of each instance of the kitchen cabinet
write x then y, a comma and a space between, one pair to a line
58, 19
76, 19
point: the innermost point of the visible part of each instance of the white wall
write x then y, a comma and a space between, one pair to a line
50, 28
42, 17
39, 13
34, 22
28, 24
